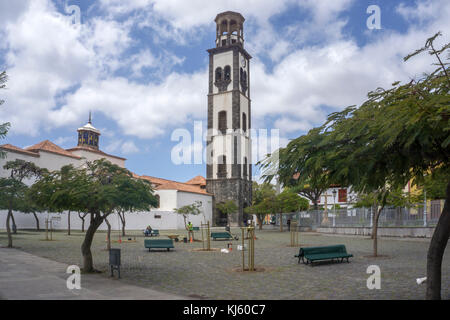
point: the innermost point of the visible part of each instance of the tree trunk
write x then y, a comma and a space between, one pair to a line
14, 224
37, 221
108, 243
8, 228
88, 265
436, 251
122, 219
68, 223
281, 222
82, 222
375, 232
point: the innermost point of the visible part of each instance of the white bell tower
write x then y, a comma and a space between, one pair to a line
229, 174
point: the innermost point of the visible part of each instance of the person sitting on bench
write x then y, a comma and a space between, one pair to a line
148, 231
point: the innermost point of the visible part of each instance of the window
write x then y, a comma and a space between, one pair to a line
227, 73
218, 74
158, 204
157, 216
224, 42
222, 167
243, 80
244, 122
223, 122
342, 195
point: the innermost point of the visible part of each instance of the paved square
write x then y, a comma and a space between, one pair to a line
209, 274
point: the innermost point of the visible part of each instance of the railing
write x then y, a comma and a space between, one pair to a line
364, 217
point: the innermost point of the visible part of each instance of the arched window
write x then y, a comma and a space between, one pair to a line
227, 73
158, 203
245, 167
218, 74
244, 122
222, 167
223, 122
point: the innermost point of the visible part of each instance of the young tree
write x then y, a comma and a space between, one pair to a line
82, 216
226, 208
99, 189
185, 211
13, 189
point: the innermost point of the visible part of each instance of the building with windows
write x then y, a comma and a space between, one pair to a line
171, 194
228, 170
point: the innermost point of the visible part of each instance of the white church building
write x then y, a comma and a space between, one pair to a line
171, 194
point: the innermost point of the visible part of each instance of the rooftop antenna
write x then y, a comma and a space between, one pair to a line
90, 121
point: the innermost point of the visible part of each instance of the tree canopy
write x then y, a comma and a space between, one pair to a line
397, 135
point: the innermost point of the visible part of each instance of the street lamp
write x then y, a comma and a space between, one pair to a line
334, 203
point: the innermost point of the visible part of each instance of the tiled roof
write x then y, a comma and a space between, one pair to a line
95, 151
10, 147
198, 180
182, 187
165, 184
49, 146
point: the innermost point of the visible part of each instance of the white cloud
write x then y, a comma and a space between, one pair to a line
124, 147
58, 72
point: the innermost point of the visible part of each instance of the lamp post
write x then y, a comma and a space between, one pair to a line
334, 203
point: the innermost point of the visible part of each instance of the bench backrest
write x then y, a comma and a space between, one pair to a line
155, 231
158, 242
220, 234
340, 248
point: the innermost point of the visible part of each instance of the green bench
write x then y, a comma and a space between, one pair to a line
153, 233
221, 235
195, 228
312, 254
158, 244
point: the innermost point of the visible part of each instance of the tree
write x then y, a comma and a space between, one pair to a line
310, 183
262, 195
82, 216
289, 201
13, 189
5, 126
226, 208
193, 209
99, 189
397, 135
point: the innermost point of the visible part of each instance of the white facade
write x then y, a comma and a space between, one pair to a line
172, 195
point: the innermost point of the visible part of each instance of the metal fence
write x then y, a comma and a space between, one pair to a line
364, 217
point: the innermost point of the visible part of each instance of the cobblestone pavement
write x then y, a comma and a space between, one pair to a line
210, 274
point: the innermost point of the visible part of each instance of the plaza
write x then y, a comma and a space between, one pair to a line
188, 273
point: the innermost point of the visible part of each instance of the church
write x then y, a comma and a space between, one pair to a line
228, 168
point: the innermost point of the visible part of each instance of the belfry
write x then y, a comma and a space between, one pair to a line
229, 171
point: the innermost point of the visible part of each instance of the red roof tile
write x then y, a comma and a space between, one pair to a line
49, 146
10, 147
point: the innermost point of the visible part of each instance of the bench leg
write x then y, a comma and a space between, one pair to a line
168, 249
348, 261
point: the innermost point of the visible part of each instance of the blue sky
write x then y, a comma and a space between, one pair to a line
141, 67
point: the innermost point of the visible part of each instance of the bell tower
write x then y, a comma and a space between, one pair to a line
228, 169
88, 135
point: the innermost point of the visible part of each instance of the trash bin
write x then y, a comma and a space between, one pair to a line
185, 240
114, 260
227, 228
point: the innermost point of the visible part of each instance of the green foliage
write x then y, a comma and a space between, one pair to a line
193, 209
100, 188
396, 135
227, 207
290, 201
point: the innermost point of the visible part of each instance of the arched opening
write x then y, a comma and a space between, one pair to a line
227, 73
244, 122
218, 74
222, 122
222, 167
